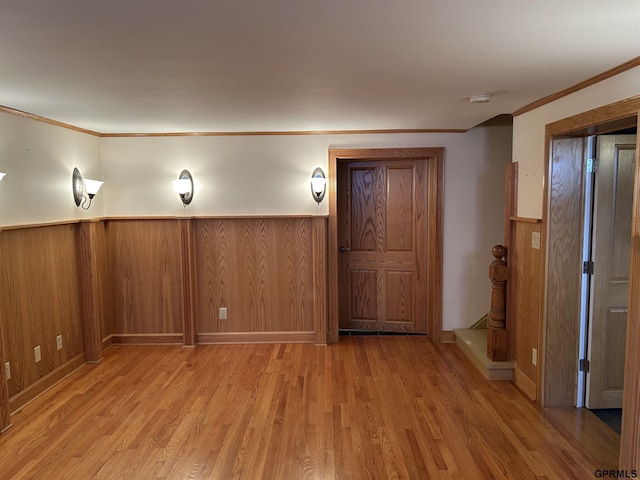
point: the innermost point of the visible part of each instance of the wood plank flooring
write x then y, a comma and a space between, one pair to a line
367, 408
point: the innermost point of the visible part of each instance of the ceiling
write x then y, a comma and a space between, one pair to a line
295, 65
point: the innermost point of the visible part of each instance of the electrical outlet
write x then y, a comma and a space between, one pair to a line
534, 356
535, 240
222, 313
59, 342
7, 370
37, 354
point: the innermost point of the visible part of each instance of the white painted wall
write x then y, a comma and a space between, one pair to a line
269, 175
529, 133
38, 159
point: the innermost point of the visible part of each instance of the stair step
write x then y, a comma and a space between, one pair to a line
473, 343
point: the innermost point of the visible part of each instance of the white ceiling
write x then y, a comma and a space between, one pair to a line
284, 65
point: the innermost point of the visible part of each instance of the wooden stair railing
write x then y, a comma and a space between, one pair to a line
497, 332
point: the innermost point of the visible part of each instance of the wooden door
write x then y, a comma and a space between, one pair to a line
382, 237
610, 281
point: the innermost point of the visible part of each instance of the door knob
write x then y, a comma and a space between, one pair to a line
344, 249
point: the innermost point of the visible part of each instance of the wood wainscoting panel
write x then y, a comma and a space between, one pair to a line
40, 299
5, 410
320, 300
259, 269
108, 324
187, 252
525, 283
91, 287
145, 276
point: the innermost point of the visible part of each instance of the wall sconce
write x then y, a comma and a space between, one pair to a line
318, 185
2, 174
184, 187
84, 189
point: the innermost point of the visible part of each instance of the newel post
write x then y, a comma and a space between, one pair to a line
497, 332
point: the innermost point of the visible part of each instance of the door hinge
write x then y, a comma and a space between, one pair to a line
587, 267
592, 165
584, 365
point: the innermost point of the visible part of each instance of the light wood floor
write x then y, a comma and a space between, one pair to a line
369, 407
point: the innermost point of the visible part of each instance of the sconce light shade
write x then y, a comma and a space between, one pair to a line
92, 186
2, 174
184, 187
318, 185
84, 189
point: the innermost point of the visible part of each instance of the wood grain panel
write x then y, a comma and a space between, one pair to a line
101, 251
256, 337
432, 248
510, 210
319, 259
340, 223
563, 284
259, 269
524, 318
363, 218
91, 293
147, 339
145, 276
399, 209
40, 300
187, 251
364, 296
5, 411
399, 296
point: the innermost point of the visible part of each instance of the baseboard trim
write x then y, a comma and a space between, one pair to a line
447, 336
256, 337
6, 428
147, 339
33, 391
524, 383
107, 342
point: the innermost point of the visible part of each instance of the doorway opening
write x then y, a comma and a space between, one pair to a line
586, 313
608, 205
385, 240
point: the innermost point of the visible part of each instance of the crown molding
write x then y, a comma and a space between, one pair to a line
623, 67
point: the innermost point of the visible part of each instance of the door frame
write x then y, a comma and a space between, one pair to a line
435, 194
558, 334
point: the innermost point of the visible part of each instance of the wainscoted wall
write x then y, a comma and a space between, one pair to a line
40, 299
144, 279
156, 280
261, 271
525, 282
